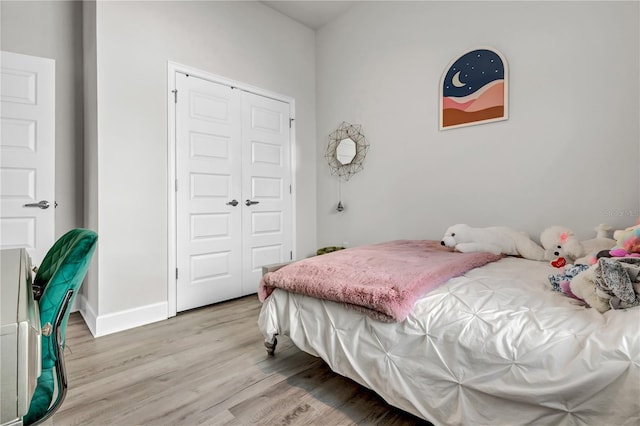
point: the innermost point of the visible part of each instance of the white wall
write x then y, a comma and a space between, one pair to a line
568, 154
53, 30
242, 41
90, 292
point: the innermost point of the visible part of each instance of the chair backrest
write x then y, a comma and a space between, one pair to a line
62, 269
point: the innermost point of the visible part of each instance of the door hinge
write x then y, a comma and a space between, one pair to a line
175, 96
176, 273
291, 120
290, 192
291, 255
176, 185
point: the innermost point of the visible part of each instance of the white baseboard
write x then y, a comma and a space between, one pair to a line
87, 312
102, 325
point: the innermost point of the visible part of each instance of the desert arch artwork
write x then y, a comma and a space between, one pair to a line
474, 89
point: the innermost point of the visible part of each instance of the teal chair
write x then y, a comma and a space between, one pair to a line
56, 284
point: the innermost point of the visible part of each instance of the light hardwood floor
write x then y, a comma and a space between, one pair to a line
208, 366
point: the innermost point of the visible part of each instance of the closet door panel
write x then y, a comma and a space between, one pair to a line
209, 173
266, 187
230, 145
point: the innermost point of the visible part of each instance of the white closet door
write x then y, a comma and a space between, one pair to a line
209, 173
266, 186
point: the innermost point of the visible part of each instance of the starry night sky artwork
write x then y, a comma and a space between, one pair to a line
474, 90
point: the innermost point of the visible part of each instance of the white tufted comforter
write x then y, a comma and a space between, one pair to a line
493, 347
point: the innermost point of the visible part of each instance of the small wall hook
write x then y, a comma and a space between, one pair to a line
340, 206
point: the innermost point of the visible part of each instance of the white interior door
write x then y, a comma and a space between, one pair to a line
27, 153
208, 171
266, 164
233, 190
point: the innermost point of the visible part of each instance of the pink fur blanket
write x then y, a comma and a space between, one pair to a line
383, 280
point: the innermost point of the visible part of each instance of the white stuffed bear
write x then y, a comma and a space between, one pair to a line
612, 283
583, 286
560, 241
494, 239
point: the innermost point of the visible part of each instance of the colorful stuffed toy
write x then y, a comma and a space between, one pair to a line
560, 242
627, 243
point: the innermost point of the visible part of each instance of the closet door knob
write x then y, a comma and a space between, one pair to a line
233, 203
250, 203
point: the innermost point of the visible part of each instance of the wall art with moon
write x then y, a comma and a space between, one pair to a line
474, 89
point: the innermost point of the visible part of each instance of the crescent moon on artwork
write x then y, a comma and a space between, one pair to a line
456, 80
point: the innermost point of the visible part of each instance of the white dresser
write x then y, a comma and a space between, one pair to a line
20, 347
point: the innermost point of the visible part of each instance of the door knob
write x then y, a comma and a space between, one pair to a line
250, 203
233, 203
44, 204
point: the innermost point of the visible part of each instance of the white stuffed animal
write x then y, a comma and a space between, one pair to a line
609, 284
494, 239
560, 241
584, 287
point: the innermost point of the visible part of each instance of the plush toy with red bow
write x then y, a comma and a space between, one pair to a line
562, 246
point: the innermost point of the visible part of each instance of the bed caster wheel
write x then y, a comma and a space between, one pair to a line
271, 346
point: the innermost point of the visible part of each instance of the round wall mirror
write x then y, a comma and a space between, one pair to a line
346, 150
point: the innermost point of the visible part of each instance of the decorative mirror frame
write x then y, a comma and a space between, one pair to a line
346, 131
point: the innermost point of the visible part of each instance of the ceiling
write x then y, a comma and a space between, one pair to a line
313, 14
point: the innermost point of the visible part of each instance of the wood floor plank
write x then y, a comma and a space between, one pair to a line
208, 366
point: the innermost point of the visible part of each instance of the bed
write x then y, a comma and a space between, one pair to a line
492, 345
